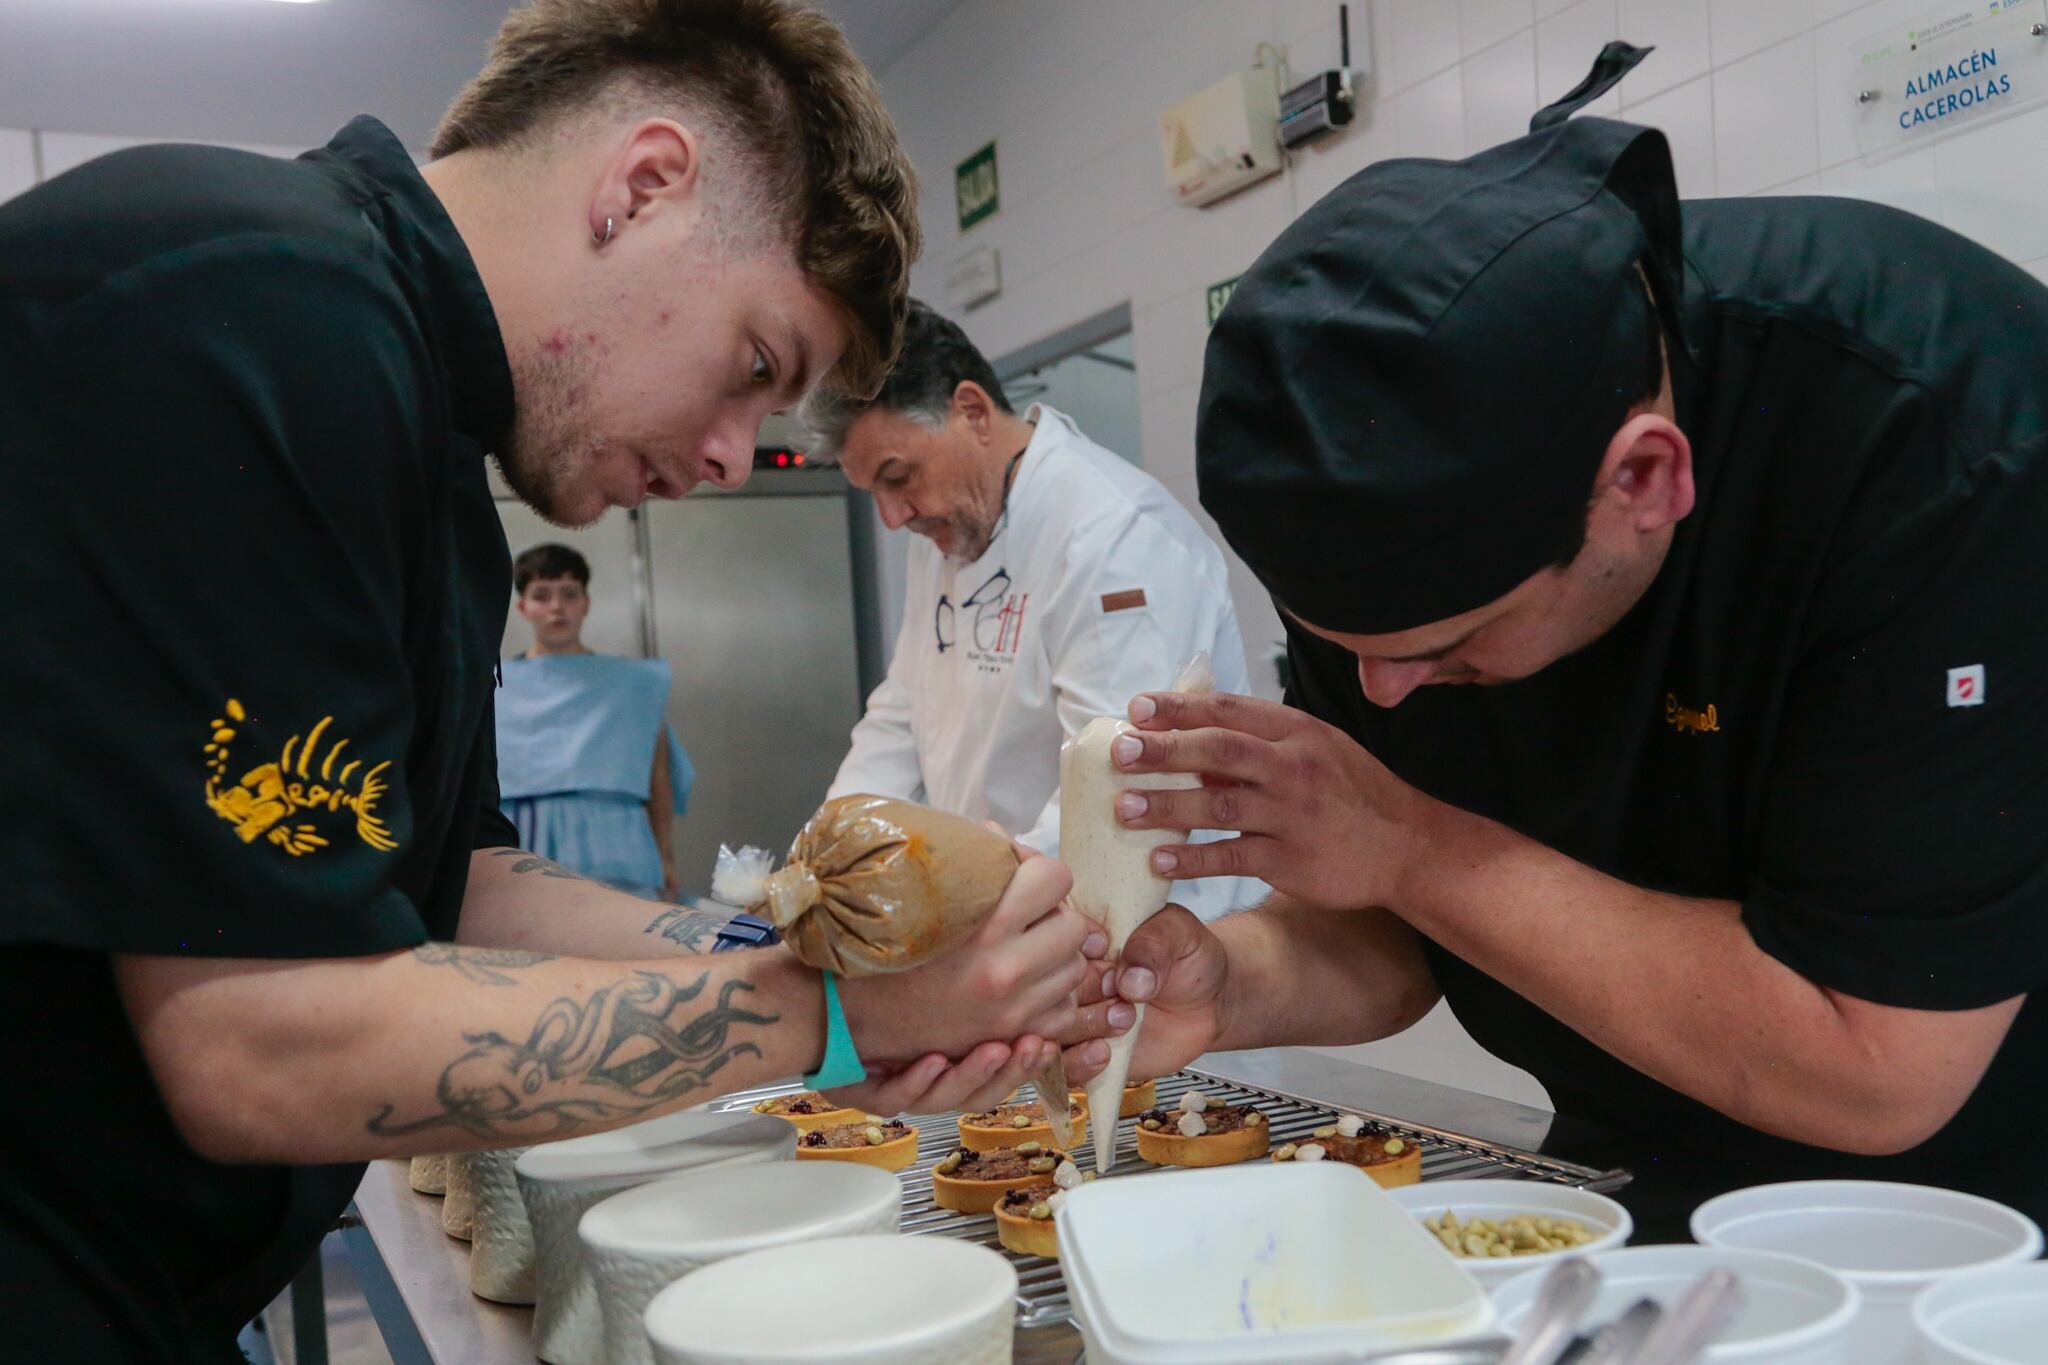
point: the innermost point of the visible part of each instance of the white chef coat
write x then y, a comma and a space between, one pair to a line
1097, 586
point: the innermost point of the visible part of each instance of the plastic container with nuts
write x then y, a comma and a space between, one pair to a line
1490, 1210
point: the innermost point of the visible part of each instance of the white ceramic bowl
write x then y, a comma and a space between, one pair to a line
560, 1181
1890, 1241
644, 1240
1988, 1317
1257, 1262
844, 1301
1500, 1199
1793, 1312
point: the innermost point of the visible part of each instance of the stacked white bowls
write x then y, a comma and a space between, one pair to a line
562, 1180
642, 1241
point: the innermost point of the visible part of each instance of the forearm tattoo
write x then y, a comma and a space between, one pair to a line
694, 930
533, 862
632, 1046
481, 965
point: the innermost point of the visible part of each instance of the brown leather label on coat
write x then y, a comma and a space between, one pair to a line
1123, 601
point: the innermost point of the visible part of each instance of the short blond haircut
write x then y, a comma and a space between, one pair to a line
801, 117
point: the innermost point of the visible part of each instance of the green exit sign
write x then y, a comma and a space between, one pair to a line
1219, 294
974, 187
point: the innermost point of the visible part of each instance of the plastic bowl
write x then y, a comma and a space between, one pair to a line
842, 1301
1259, 1262
1793, 1312
1498, 1199
1988, 1317
1891, 1241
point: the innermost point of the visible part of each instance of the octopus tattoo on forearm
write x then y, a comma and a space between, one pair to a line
631, 1047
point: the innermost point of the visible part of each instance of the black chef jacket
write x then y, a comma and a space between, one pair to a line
1832, 705
256, 584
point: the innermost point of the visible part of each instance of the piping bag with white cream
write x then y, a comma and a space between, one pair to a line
1114, 883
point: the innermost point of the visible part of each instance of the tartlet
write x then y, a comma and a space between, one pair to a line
998, 1127
1138, 1097
970, 1181
1019, 1230
890, 1144
1230, 1133
1390, 1160
807, 1109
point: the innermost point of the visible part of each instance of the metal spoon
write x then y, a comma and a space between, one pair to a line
1691, 1326
1618, 1341
1561, 1301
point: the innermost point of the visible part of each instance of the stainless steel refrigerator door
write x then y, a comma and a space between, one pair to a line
754, 610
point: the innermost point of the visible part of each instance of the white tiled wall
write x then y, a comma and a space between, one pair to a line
1751, 93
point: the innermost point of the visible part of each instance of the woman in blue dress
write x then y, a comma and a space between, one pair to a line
588, 768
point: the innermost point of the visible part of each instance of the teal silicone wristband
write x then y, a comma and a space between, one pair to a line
841, 1065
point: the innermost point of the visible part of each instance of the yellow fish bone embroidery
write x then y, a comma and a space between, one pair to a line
266, 801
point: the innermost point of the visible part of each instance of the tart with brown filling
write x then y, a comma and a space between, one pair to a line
1024, 1220
1388, 1159
807, 1109
1202, 1135
1007, 1125
968, 1181
890, 1144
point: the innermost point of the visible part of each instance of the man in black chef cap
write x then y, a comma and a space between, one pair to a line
1731, 525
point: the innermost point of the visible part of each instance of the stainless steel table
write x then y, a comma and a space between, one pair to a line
416, 1277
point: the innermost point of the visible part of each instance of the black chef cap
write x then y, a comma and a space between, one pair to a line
1408, 396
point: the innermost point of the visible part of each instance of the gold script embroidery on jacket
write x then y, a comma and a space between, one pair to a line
267, 800
1687, 720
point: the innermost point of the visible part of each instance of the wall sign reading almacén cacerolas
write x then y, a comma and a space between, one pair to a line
1949, 69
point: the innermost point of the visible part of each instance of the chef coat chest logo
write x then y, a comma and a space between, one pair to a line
1689, 719
988, 626
265, 802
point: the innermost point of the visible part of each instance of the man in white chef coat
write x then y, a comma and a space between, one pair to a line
1050, 582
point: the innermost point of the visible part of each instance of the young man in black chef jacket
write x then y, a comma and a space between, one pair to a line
263, 919
1669, 666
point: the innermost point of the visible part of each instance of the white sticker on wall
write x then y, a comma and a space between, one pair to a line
1966, 686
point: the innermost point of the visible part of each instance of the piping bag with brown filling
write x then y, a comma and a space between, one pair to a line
878, 885
1114, 883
